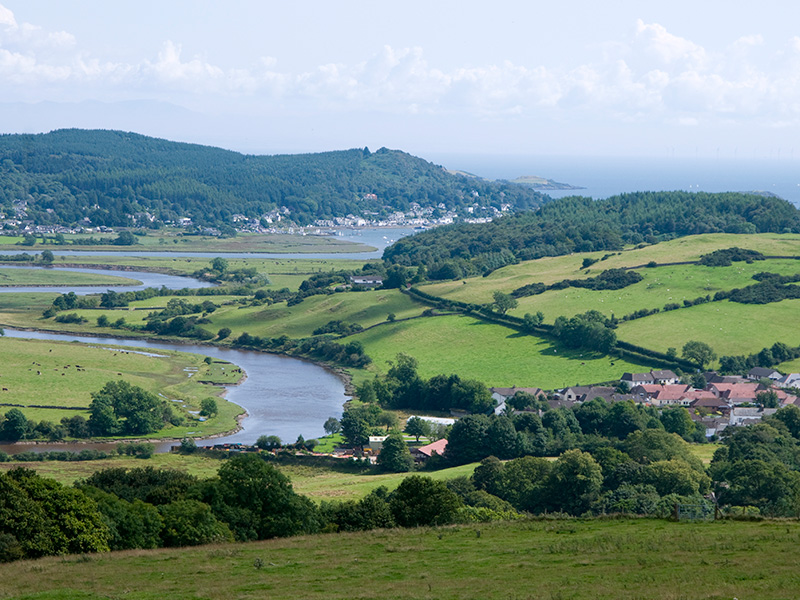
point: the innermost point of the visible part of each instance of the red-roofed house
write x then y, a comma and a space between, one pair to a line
423, 453
662, 395
736, 393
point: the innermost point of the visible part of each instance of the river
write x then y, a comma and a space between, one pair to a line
146, 279
283, 396
378, 237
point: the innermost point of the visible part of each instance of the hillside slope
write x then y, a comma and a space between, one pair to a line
110, 176
578, 224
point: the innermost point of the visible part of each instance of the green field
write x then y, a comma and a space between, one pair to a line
32, 277
550, 270
728, 327
490, 353
617, 559
660, 286
36, 372
177, 242
317, 482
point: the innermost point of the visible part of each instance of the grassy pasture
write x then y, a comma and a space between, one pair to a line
661, 285
490, 353
31, 277
317, 482
282, 272
620, 559
167, 242
46, 373
550, 270
730, 328
364, 308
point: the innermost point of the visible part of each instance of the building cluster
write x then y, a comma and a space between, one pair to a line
724, 401
417, 216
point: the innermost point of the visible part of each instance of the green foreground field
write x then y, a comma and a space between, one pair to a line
570, 559
64, 374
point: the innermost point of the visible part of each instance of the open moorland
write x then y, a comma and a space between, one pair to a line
40, 375
549, 558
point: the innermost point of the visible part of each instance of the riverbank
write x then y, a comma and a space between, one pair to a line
281, 395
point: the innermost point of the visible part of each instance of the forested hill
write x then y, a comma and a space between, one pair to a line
581, 225
110, 175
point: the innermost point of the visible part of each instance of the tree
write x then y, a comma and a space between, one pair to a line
268, 442
699, 352
467, 440
223, 333
258, 501
420, 501
532, 321
503, 302
768, 399
208, 407
47, 257
125, 238
129, 409
15, 426
574, 482
417, 427
191, 523
501, 438
355, 429
332, 426
394, 455
102, 321
219, 264
677, 420
48, 518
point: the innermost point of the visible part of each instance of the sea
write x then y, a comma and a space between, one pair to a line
606, 176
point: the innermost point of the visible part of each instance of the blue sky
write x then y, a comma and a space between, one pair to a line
618, 78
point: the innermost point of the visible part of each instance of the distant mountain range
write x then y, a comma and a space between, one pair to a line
114, 178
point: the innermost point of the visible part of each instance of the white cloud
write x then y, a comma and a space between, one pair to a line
653, 75
7, 17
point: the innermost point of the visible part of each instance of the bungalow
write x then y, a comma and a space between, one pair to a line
661, 395
736, 393
790, 380
757, 373
749, 415
580, 394
713, 425
714, 377
633, 379
367, 281
375, 444
711, 405
500, 393
423, 453
665, 377
661, 377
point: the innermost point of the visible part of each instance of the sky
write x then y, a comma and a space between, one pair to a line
700, 78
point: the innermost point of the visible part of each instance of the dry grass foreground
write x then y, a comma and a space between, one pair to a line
526, 560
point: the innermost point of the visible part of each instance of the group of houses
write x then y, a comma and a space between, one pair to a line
723, 402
